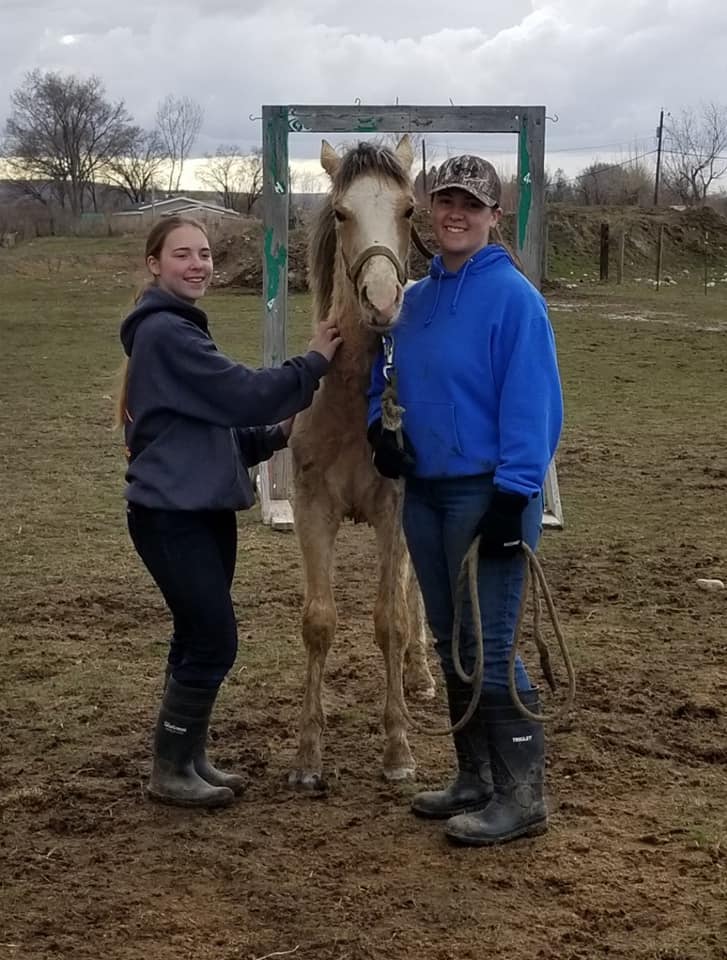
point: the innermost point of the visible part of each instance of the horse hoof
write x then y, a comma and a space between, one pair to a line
399, 774
307, 781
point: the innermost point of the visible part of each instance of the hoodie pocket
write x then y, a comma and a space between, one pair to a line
432, 429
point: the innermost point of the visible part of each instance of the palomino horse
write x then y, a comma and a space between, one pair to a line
358, 249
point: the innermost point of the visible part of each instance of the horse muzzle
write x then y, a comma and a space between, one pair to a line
379, 279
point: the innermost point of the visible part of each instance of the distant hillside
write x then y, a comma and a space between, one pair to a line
573, 245
574, 240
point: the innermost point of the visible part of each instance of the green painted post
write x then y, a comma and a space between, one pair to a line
276, 203
530, 222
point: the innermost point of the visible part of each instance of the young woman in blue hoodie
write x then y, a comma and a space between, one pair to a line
194, 421
477, 376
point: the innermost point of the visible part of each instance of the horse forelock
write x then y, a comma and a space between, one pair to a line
366, 159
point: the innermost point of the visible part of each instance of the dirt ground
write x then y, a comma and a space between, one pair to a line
634, 865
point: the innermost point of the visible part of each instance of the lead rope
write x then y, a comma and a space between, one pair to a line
391, 419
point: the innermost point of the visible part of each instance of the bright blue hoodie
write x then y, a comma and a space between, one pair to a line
477, 374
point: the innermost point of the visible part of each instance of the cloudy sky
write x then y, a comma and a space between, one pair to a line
603, 67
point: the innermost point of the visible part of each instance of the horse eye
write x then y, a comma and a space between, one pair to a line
409, 212
339, 216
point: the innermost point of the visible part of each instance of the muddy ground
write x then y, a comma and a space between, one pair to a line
634, 865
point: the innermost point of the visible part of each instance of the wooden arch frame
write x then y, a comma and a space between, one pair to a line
279, 121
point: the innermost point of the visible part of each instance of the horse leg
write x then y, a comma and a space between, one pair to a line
418, 680
391, 622
317, 537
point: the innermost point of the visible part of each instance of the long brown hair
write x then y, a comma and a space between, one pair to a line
153, 248
497, 237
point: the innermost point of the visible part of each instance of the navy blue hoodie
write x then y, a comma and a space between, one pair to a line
196, 420
477, 374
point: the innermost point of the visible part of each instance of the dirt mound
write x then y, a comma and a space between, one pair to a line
574, 238
237, 252
573, 243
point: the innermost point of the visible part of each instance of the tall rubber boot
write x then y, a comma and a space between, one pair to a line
517, 751
183, 719
472, 787
208, 772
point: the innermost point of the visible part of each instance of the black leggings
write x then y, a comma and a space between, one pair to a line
191, 556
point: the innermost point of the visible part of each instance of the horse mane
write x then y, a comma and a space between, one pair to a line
361, 160
321, 257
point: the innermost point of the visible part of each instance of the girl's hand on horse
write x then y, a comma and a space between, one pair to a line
326, 339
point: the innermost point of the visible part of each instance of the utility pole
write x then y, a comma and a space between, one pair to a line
659, 135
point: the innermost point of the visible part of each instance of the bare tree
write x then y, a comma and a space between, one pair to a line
63, 132
558, 188
626, 183
694, 155
178, 122
592, 183
307, 181
234, 176
138, 171
254, 176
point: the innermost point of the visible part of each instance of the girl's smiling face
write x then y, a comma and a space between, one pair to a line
184, 265
461, 225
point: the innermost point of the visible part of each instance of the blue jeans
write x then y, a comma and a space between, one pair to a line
191, 556
440, 517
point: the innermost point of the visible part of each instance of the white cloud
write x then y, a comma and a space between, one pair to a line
604, 68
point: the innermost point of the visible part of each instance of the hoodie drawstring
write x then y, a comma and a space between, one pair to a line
460, 283
453, 308
436, 301
484, 259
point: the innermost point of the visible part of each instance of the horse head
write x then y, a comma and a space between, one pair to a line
372, 201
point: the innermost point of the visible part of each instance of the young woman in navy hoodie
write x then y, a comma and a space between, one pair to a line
478, 379
194, 421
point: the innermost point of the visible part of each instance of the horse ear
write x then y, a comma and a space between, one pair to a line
330, 161
405, 152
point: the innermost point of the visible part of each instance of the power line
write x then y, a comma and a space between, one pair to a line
580, 149
608, 167
598, 146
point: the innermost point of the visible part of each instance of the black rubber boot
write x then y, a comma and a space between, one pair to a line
517, 750
202, 765
183, 720
472, 787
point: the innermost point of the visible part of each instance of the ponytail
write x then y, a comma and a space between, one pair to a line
496, 234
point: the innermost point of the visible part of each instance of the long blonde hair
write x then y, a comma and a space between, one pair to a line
153, 248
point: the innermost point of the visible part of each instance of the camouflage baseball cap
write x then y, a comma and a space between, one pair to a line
470, 173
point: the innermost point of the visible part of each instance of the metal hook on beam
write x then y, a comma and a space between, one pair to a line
553, 119
253, 118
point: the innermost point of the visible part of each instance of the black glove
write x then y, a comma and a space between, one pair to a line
501, 528
389, 458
